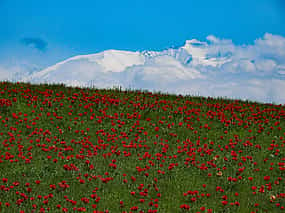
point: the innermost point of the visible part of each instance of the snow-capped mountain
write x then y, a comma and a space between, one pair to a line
213, 68
173, 63
111, 67
115, 67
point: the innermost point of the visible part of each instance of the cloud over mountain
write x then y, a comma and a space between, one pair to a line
215, 67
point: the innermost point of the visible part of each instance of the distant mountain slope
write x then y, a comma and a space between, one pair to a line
114, 67
213, 68
168, 65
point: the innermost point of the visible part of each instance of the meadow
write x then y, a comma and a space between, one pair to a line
67, 149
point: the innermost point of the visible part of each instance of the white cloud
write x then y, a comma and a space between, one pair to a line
4, 74
266, 65
271, 46
17, 70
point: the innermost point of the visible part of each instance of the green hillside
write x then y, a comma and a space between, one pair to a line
67, 149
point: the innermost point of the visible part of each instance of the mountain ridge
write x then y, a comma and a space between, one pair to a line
213, 68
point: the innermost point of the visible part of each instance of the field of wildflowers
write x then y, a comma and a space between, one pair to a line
67, 149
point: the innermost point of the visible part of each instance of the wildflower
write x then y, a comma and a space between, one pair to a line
219, 174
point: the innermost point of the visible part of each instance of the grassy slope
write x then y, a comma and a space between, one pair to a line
196, 137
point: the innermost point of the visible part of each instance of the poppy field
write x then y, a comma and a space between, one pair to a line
66, 149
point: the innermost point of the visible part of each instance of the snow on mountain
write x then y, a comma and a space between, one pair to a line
200, 54
84, 67
213, 68
105, 69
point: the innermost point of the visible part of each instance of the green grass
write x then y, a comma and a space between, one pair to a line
112, 133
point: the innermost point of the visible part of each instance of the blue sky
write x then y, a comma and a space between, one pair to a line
81, 27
